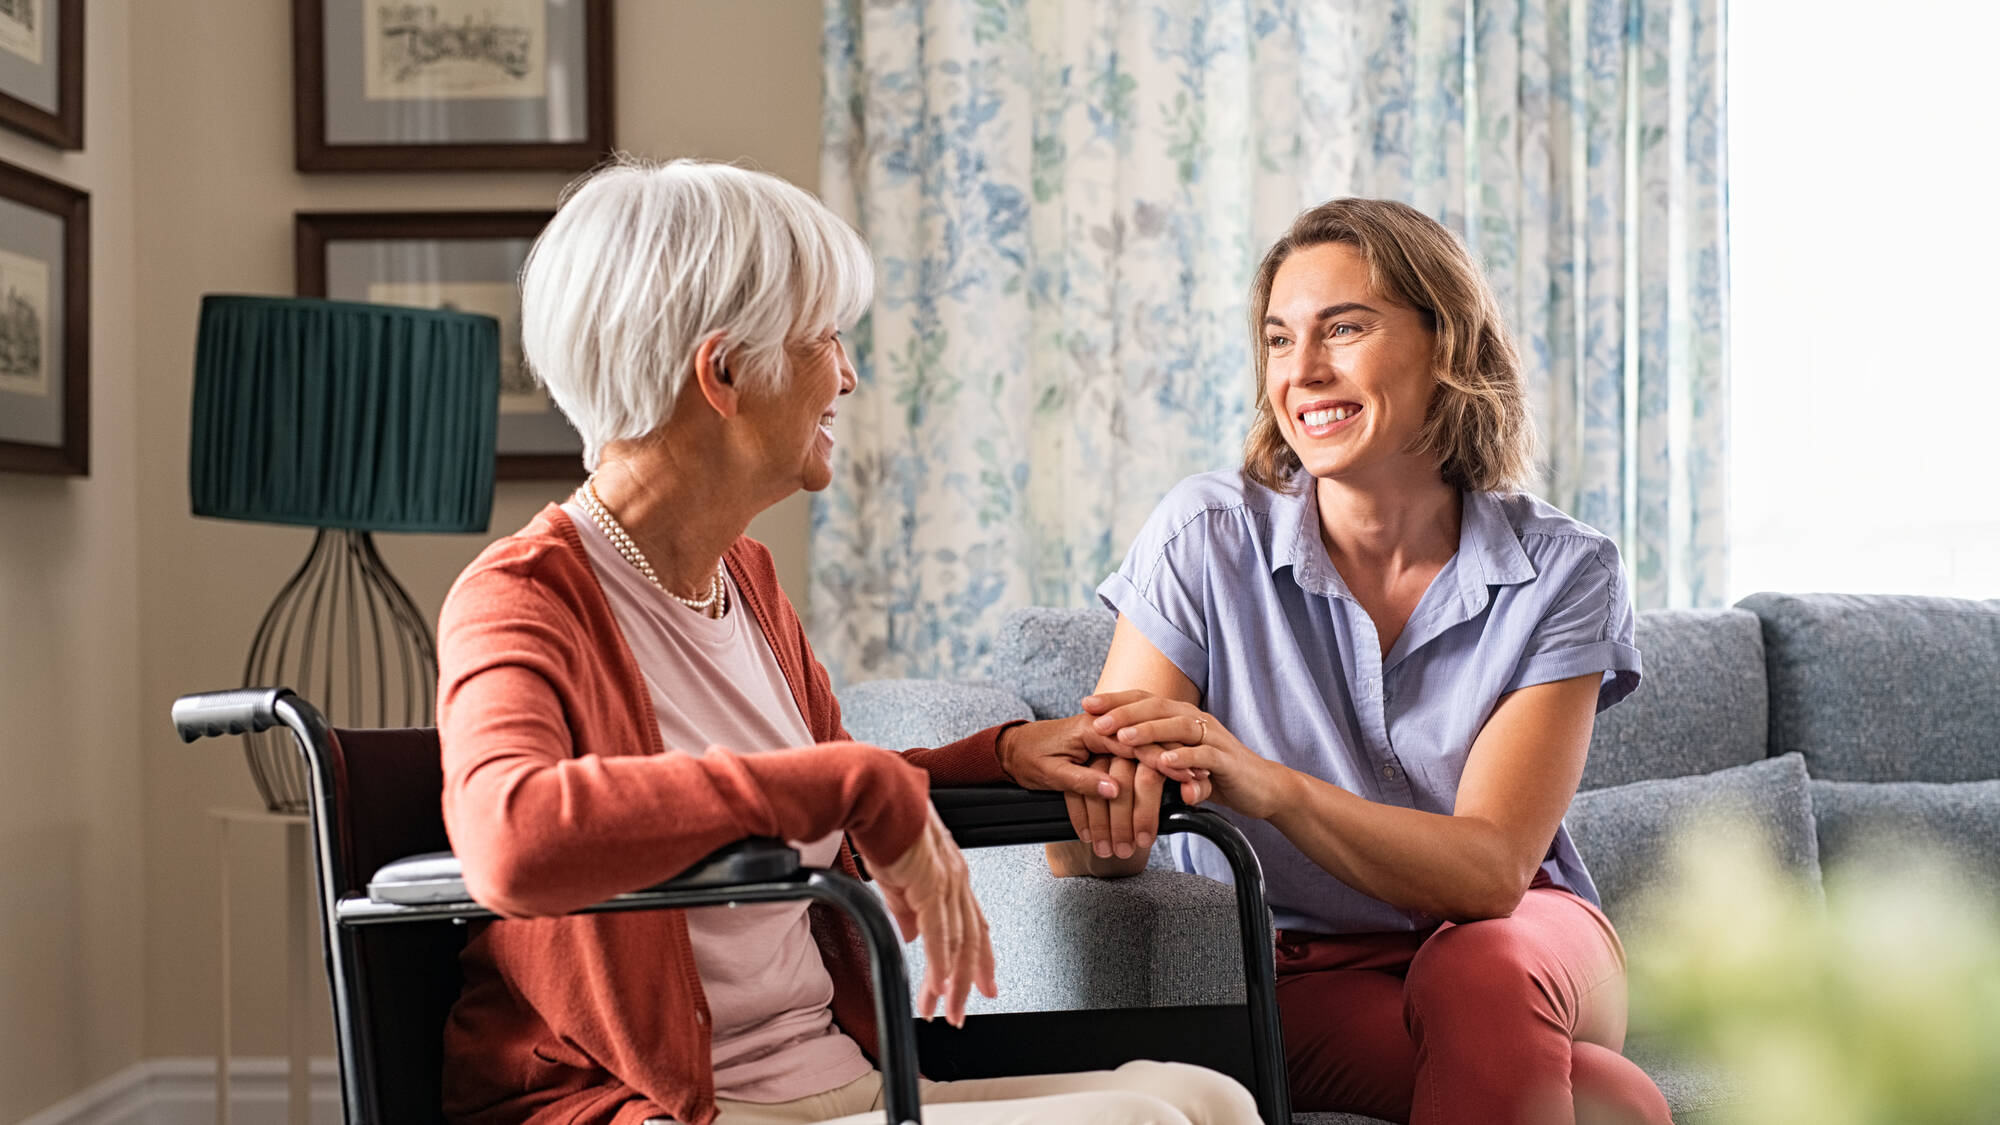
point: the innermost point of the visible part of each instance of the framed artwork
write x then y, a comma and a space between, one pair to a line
450, 85
466, 260
41, 70
44, 325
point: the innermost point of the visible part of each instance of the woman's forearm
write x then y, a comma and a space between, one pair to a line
1477, 862
540, 829
1459, 868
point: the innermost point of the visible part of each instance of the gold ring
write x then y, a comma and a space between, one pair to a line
1203, 736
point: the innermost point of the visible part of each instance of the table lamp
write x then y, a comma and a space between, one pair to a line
349, 418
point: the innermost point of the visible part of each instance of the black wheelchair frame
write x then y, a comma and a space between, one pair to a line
748, 871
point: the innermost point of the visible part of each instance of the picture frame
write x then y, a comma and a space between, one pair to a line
451, 85
41, 70
459, 259
44, 325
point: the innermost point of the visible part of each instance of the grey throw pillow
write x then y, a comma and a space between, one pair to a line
1860, 822
1624, 833
1701, 706
1051, 657
1883, 687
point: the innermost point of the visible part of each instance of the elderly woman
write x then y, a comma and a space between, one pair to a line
625, 689
1385, 661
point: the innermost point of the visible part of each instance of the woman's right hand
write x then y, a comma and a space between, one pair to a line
929, 892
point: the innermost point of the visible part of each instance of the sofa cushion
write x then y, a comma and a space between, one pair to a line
1884, 688
1051, 657
1624, 833
1696, 1091
1700, 707
1960, 821
900, 714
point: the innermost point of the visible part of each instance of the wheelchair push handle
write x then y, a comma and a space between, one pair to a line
240, 711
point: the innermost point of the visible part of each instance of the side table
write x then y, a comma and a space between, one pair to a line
298, 883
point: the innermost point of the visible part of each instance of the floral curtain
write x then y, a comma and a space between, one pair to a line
1066, 201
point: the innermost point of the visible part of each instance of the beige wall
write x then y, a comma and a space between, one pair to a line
115, 600
71, 884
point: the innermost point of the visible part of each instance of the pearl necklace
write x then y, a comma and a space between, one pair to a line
716, 604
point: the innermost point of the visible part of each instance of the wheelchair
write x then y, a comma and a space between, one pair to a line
393, 913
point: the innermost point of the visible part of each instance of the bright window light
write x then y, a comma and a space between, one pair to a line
1864, 207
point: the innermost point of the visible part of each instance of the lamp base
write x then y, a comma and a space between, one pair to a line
343, 633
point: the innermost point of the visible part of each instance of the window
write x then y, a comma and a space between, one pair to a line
1864, 214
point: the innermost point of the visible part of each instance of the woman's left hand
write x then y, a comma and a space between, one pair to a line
929, 892
1187, 744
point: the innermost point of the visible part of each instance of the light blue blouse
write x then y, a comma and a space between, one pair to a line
1231, 582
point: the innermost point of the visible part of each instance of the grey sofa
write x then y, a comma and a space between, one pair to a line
1828, 719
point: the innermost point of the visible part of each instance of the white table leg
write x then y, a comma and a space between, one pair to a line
222, 1046
298, 1094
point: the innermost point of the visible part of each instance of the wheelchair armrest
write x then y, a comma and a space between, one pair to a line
990, 815
988, 805
435, 877
419, 880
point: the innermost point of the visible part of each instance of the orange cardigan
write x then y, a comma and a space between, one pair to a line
558, 793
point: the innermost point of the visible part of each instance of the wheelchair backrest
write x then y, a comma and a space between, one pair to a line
405, 978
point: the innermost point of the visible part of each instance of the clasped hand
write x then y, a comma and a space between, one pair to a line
1113, 761
1147, 740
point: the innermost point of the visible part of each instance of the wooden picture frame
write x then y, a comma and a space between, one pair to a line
462, 259
41, 70
44, 325
451, 85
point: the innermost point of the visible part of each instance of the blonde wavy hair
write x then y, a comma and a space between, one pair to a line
1477, 425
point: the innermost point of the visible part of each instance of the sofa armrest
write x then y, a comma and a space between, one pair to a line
899, 714
1156, 939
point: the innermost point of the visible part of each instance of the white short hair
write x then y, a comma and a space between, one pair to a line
643, 261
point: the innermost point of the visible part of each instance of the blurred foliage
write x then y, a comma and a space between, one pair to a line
1879, 1005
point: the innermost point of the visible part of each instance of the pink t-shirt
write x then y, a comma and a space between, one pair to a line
717, 684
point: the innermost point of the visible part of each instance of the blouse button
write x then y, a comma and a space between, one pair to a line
1390, 773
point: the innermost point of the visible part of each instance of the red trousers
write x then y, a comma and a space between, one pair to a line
1509, 1021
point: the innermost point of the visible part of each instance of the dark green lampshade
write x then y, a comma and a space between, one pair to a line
341, 414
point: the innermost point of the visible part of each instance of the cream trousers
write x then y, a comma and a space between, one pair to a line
1138, 1093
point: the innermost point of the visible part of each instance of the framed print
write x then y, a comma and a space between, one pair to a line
44, 325
450, 85
465, 260
41, 70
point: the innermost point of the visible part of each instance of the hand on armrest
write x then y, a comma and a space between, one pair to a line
929, 891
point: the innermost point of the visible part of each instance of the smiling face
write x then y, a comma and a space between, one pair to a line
1347, 373
797, 426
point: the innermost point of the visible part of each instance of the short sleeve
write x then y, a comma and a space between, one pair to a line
1161, 587
1587, 628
